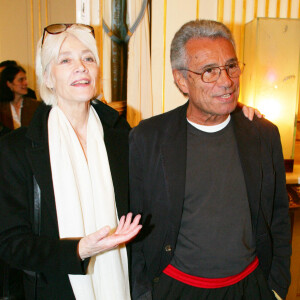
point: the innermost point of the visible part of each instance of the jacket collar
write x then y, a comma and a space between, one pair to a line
174, 160
38, 128
248, 142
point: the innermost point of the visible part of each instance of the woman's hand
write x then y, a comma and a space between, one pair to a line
103, 239
250, 111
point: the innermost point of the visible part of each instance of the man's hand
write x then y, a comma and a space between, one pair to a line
250, 111
103, 240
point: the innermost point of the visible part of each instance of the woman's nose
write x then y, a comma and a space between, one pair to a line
81, 66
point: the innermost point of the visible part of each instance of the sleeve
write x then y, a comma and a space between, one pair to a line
141, 285
279, 278
18, 245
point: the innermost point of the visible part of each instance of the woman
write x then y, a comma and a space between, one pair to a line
77, 152
16, 109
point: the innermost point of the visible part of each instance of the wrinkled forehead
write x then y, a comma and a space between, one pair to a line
207, 50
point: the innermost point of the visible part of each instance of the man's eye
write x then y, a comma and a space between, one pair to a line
209, 70
232, 66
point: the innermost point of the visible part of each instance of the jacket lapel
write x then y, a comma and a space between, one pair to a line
174, 164
248, 143
6, 116
116, 143
38, 156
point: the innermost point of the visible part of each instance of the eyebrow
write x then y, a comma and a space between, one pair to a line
213, 65
70, 52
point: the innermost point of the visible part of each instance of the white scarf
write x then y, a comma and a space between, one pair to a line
85, 202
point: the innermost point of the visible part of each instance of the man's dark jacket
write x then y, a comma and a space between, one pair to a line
157, 164
24, 153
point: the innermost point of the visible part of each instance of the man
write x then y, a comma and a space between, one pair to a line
210, 185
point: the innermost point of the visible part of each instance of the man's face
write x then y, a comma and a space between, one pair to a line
210, 103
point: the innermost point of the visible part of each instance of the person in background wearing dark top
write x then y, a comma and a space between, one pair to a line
13, 63
16, 109
209, 184
3, 130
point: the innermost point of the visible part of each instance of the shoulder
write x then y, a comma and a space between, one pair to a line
109, 116
260, 126
28, 101
13, 142
162, 123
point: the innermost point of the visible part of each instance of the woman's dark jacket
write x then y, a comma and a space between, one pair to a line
24, 154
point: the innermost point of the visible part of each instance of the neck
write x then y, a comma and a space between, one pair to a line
17, 100
205, 118
78, 115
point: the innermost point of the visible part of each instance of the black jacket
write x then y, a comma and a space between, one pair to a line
157, 168
25, 153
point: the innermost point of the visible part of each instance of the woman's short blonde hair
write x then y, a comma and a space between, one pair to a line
49, 52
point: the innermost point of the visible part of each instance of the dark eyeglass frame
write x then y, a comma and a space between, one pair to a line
64, 27
225, 67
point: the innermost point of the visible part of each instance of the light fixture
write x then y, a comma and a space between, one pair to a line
270, 81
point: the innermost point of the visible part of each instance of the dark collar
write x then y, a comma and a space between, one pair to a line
38, 128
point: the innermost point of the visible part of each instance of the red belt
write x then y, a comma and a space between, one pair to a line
209, 283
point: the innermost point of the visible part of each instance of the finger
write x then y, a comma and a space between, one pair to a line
120, 225
251, 113
129, 226
258, 113
136, 221
245, 110
128, 220
124, 238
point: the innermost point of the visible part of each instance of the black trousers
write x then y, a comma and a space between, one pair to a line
253, 287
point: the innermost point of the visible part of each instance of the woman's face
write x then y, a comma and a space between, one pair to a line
19, 84
73, 76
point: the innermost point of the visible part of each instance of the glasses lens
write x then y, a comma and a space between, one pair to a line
234, 70
56, 28
211, 74
84, 27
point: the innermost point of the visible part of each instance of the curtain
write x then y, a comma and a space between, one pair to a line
139, 85
106, 59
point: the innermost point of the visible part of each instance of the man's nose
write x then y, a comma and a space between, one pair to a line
224, 78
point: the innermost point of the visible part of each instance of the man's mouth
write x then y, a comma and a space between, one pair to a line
226, 96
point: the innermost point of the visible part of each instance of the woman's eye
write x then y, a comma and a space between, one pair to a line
89, 59
64, 60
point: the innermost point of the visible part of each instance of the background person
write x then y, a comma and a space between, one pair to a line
13, 63
210, 185
77, 151
16, 109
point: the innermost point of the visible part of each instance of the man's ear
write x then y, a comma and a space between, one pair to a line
180, 81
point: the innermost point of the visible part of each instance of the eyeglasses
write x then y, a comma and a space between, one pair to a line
212, 74
59, 28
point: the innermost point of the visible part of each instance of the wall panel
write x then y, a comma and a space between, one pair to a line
234, 13
21, 24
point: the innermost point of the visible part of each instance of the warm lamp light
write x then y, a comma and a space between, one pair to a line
271, 78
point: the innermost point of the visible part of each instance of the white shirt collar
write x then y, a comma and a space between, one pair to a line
211, 129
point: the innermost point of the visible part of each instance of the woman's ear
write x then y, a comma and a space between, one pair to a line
10, 85
48, 80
